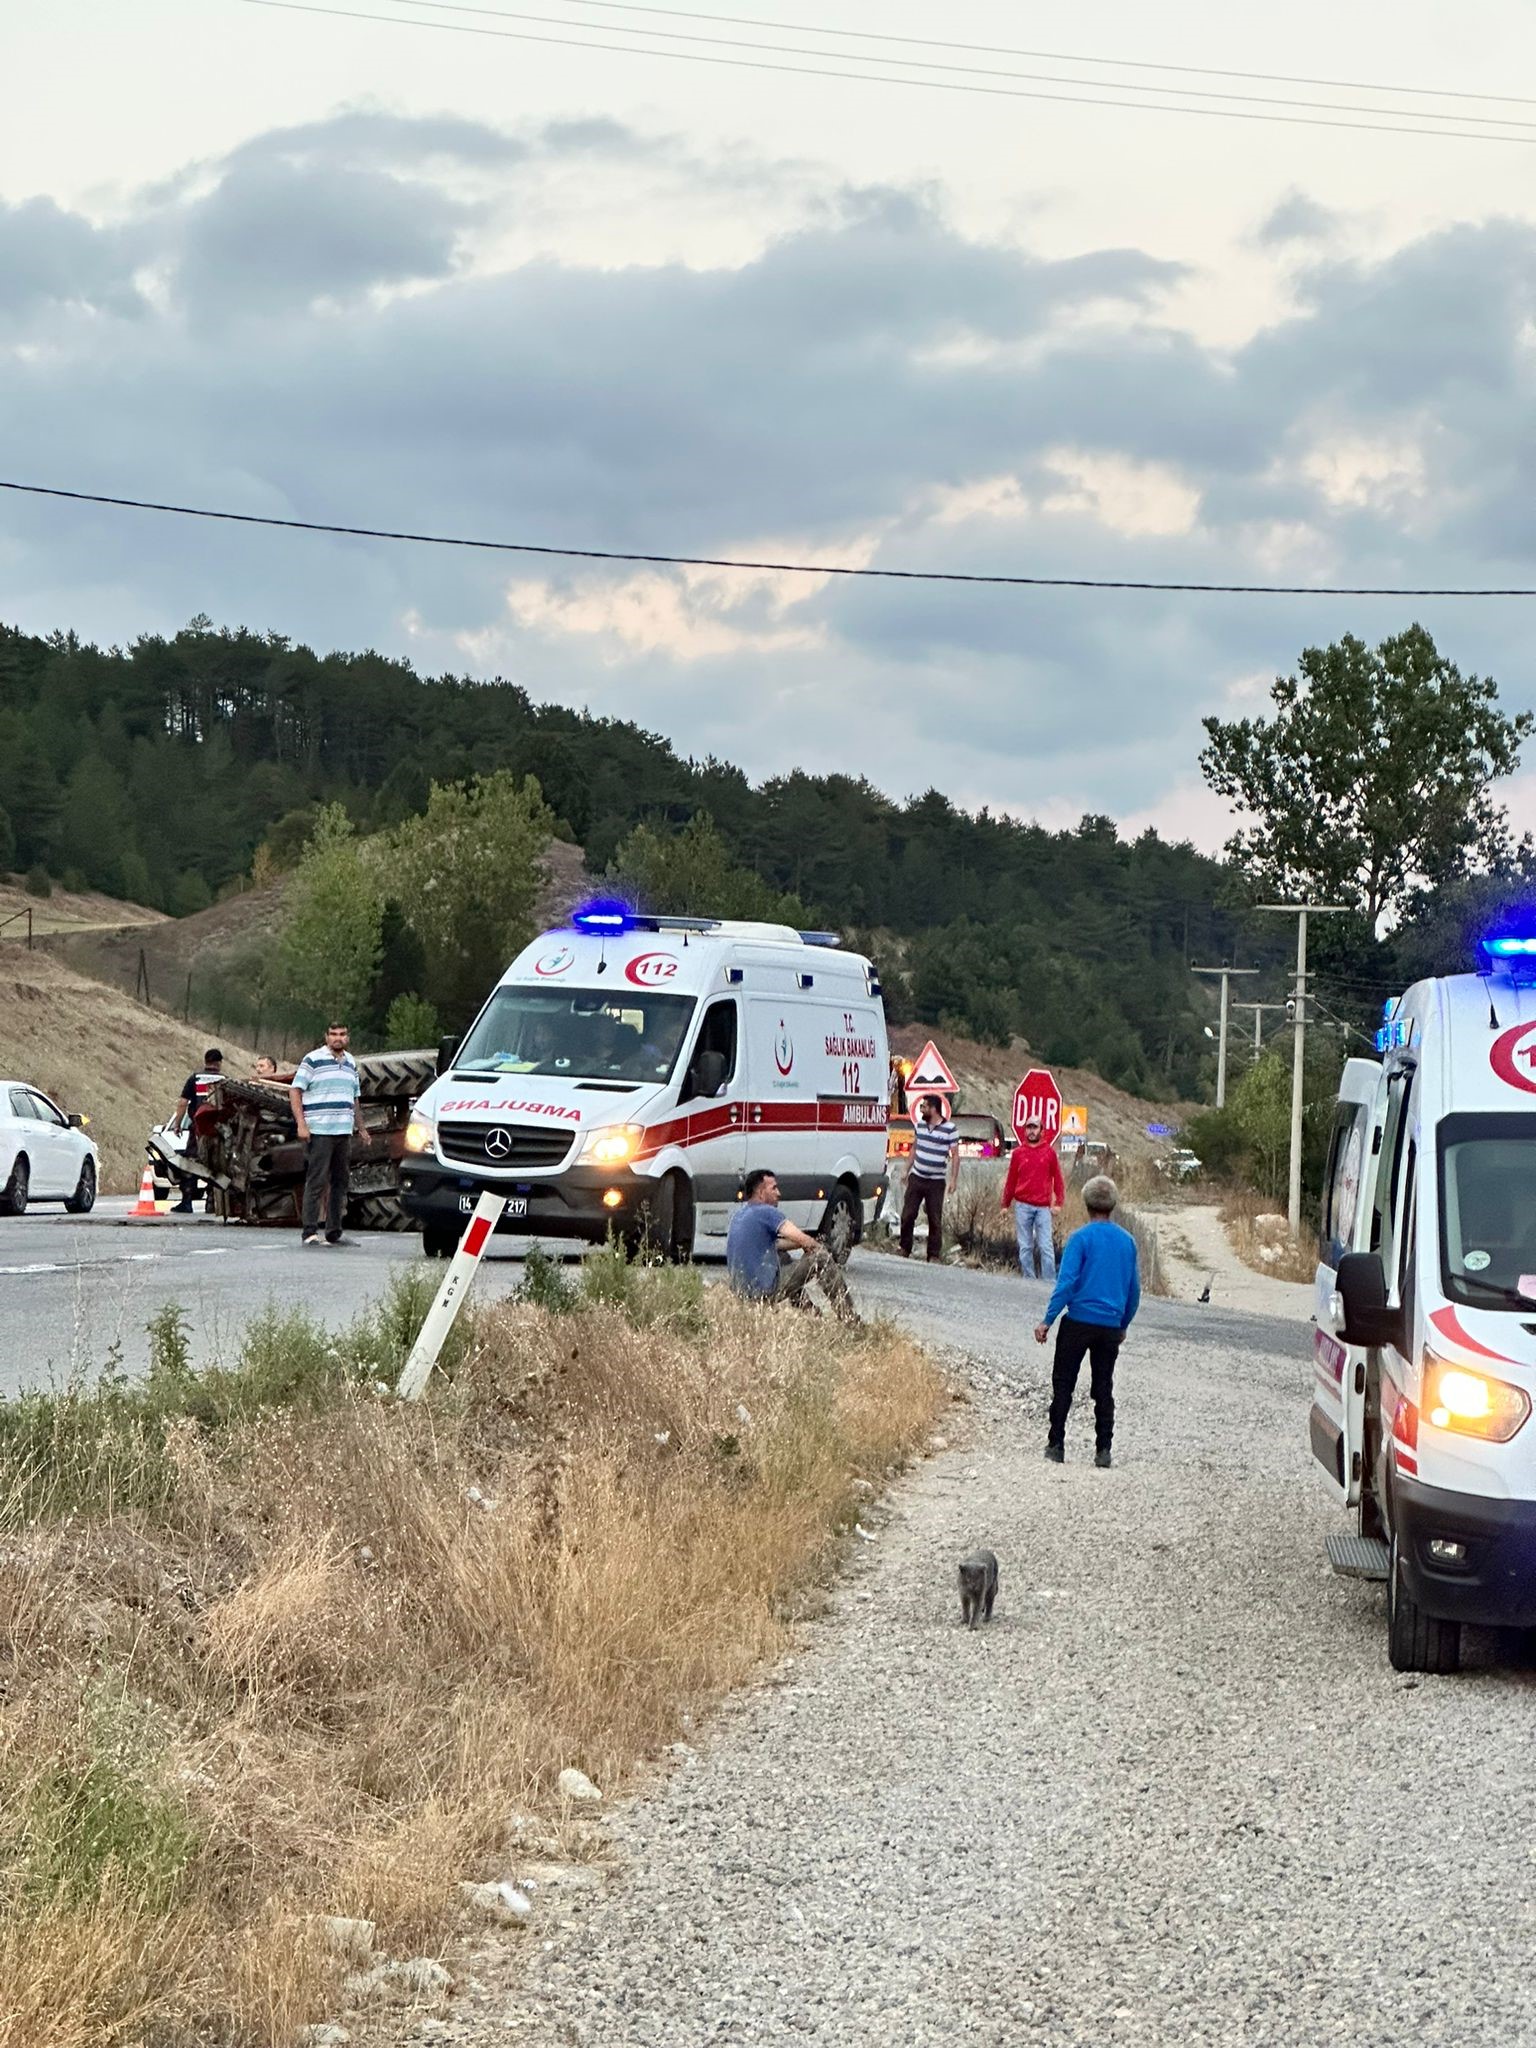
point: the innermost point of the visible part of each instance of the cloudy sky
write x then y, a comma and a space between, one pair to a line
445, 278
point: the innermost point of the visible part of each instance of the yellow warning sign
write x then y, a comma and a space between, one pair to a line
1074, 1120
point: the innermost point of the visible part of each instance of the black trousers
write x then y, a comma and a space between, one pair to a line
326, 1161
1102, 1347
929, 1195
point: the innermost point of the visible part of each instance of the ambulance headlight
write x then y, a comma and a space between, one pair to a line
613, 1144
420, 1134
1472, 1404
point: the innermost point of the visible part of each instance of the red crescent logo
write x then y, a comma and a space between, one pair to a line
647, 969
783, 1050
1516, 1044
555, 963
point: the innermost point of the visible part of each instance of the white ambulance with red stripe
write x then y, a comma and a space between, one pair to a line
628, 1071
1425, 1336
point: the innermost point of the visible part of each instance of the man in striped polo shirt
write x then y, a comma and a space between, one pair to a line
324, 1100
935, 1164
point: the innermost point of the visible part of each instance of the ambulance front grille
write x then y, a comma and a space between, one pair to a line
504, 1148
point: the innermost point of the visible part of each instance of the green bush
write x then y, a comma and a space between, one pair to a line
101, 1815
410, 1023
544, 1284
39, 882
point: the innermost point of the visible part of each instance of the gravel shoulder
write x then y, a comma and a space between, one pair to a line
1173, 1792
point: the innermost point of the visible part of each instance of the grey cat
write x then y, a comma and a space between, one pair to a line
978, 1587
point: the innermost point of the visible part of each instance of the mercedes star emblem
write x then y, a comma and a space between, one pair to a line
498, 1143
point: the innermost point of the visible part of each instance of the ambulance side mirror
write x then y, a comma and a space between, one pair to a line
705, 1075
447, 1052
1362, 1288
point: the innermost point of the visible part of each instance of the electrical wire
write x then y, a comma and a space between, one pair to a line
952, 85
526, 547
970, 70
806, 28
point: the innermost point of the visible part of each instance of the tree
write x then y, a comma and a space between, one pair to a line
328, 952
409, 1024
1371, 785
467, 873
691, 874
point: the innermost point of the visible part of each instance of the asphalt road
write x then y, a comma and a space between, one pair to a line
76, 1292
74, 1287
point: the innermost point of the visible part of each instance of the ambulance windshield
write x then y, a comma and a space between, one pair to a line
1488, 1210
577, 1034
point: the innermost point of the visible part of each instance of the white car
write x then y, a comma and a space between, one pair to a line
45, 1155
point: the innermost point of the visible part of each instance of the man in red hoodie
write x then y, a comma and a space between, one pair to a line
1034, 1190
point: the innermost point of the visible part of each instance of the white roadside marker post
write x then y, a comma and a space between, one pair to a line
450, 1297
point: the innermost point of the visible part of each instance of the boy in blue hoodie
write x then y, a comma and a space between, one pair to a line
1100, 1291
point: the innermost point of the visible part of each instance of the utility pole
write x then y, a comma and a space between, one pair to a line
1258, 1010
1226, 974
1301, 912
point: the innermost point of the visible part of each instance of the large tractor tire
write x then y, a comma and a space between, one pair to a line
395, 1073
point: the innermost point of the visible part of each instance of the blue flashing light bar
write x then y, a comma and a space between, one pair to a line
1509, 947
602, 917
1393, 1034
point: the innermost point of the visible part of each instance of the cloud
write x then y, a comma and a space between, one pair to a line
1297, 219
339, 321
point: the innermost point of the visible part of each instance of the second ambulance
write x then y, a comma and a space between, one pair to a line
1426, 1308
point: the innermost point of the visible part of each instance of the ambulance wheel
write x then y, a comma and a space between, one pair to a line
1416, 1642
839, 1230
682, 1221
439, 1240
652, 1231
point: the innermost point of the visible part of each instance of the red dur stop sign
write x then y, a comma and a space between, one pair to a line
1037, 1100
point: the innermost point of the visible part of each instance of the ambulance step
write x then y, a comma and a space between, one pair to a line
1358, 1557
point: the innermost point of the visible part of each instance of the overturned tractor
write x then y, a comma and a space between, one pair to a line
247, 1156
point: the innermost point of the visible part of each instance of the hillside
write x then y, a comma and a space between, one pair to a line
96, 1050
171, 770
192, 962
989, 1074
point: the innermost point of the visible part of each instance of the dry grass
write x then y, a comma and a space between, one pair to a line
976, 1222
1260, 1235
345, 1641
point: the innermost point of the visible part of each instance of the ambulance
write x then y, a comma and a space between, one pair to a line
628, 1071
1425, 1338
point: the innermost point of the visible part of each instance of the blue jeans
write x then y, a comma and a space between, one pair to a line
1034, 1227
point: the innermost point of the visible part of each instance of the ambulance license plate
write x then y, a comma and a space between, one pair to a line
517, 1205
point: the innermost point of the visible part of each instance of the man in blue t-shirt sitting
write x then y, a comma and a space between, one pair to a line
1100, 1290
757, 1253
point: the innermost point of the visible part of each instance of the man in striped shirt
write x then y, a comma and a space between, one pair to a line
324, 1101
935, 1163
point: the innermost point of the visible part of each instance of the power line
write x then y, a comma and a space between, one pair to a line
1013, 92
528, 547
971, 70
805, 28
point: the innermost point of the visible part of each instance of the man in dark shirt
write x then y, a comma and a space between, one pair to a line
758, 1247
193, 1092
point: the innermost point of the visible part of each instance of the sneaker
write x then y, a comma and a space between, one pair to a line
181, 1209
1103, 1460
1055, 1454
339, 1239
314, 1237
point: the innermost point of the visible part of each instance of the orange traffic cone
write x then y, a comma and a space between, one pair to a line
145, 1205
